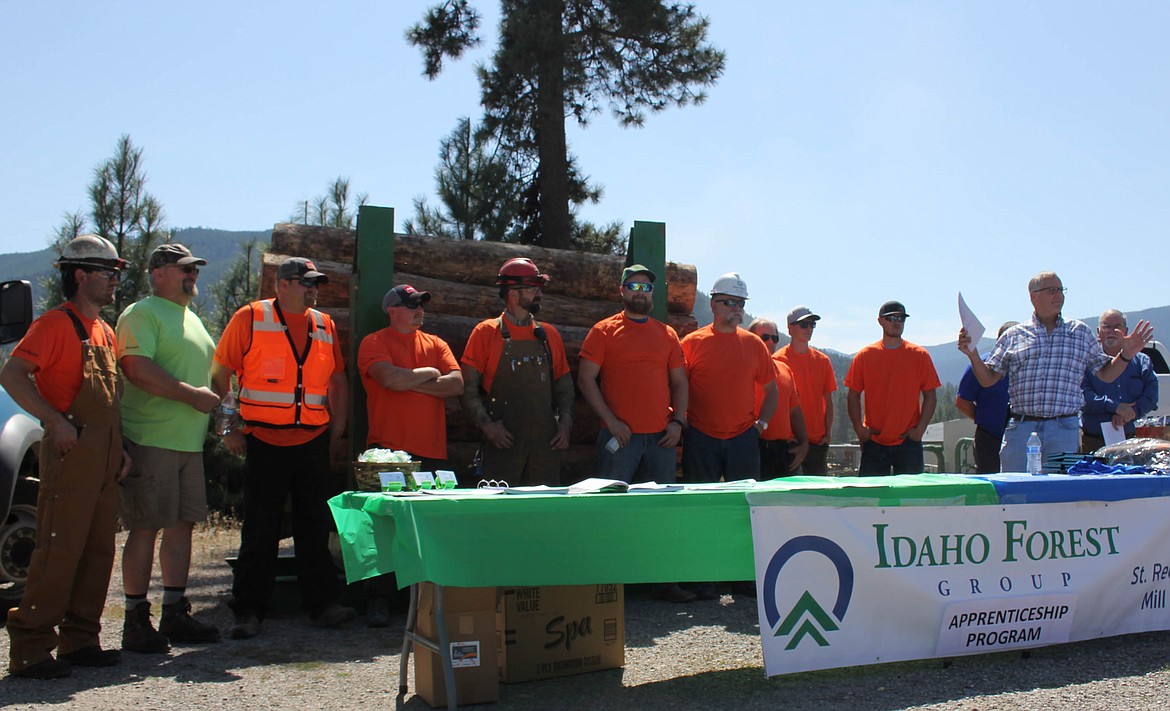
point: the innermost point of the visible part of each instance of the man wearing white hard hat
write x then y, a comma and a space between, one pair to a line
724, 364
64, 372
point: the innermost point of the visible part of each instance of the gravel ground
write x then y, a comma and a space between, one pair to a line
698, 655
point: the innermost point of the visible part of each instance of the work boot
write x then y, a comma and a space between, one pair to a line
377, 612
672, 592
181, 628
48, 669
334, 615
247, 626
92, 656
139, 635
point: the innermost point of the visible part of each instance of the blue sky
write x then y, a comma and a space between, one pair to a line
852, 152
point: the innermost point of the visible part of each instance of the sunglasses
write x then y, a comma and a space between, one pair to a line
187, 268
895, 318
107, 272
309, 283
1050, 290
644, 287
732, 303
411, 305
769, 337
806, 324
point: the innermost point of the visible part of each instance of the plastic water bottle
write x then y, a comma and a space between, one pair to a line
1034, 465
225, 414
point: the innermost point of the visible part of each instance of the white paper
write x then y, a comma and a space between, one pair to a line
970, 322
1112, 434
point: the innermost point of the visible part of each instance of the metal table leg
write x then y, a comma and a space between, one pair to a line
441, 647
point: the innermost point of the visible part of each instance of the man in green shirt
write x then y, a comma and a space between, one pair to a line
165, 356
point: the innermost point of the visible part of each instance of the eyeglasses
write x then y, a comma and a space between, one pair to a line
806, 324
769, 337
108, 273
1050, 290
645, 287
731, 303
186, 268
895, 318
309, 283
412, 305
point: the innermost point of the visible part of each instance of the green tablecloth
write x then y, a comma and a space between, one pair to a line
700, 533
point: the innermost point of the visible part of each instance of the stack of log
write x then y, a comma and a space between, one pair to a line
460, 276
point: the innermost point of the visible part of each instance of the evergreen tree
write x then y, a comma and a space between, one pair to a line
124, 213
477, 188
239, 286
559, 58
331, 209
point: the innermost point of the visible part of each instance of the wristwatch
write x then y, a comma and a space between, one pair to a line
762, 425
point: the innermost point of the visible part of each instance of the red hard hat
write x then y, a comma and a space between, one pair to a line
520, 270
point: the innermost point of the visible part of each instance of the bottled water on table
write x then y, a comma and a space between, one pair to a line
1035, 467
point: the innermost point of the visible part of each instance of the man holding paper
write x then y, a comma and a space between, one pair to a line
1046, 358
1117, 404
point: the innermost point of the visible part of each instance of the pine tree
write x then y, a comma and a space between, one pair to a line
558, 58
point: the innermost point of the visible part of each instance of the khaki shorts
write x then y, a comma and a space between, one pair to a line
163, 488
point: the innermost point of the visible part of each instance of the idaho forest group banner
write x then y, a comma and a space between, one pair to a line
868, 584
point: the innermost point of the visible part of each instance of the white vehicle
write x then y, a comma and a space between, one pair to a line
20, 437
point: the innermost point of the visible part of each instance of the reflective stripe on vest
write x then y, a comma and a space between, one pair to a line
269, 384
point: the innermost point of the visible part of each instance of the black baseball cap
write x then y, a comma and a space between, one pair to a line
893, 308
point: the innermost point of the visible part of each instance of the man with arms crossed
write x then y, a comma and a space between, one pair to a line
407, 375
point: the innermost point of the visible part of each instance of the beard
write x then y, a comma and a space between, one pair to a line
638, 305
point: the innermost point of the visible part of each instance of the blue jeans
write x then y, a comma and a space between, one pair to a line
880, 459
707, 459
1056, 437
643, 459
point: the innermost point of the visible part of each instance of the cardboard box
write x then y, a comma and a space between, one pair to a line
471, 633
560, 630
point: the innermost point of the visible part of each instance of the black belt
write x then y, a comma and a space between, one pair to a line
1034, 418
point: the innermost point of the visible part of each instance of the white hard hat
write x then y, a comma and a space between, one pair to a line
90, 250
730, 284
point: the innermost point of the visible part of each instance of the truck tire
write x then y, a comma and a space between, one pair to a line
18, 536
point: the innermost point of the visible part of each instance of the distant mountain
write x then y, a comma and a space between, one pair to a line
219, 247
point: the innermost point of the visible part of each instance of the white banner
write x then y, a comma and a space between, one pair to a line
867, 584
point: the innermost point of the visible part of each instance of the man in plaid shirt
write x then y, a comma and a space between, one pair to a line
1046, 359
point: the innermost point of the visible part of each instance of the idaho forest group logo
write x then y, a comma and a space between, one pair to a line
808, 616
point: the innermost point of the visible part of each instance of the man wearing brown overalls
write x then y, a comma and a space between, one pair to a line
518, 389
70, 354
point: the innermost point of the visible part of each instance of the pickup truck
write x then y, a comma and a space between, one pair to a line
20, 437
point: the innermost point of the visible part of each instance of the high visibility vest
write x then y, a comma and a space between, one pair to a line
285, 385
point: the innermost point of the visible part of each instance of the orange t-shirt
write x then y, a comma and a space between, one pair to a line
723, 370
814, 376
403, 419
635, 360
52, 345
780, 426
892, 380
486, 344
236, 340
